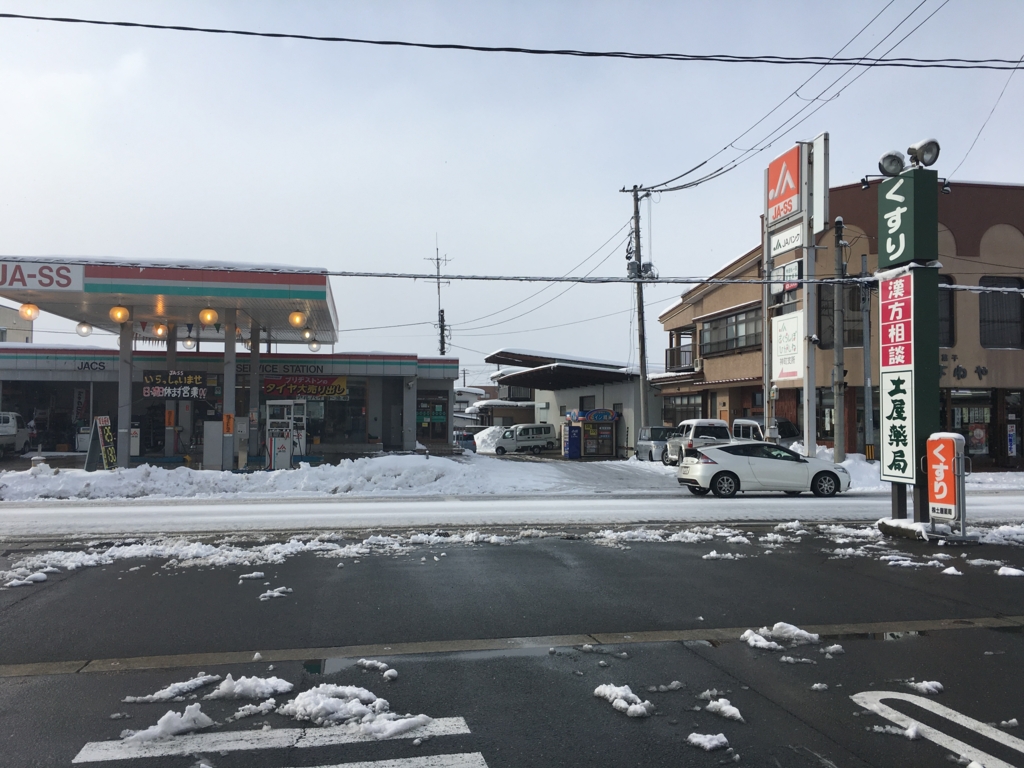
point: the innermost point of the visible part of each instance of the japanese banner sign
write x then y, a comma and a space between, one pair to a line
945, 459
907, 218
102, 448
896, 302
788, 347
306, 386
174, 385
784, 192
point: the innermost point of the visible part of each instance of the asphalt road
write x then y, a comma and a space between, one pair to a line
470, 633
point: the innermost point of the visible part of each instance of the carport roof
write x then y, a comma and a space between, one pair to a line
558, 376
80, 289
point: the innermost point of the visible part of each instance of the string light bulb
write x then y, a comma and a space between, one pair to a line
119, 314
29, 311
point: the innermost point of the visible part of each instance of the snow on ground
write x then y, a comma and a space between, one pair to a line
171, 724
175, 691
249, 688
355, 708
622, 699
708, 741
396, 476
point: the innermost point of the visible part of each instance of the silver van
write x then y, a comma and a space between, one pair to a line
526, 437
652, 443
14, 433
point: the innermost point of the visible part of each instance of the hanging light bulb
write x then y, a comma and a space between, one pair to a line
188, 342
208, 316
119, 314
307, 334
83, 329
29, 311
297, 319
314, 346
160, 331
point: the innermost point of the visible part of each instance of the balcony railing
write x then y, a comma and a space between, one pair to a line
679, 359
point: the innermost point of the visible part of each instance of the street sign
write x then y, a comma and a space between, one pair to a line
783, 196
945, 455
896, 331
786, 240
788, 347
102, 449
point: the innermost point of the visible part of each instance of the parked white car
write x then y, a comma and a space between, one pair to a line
754, 466
753, 429
695, 433
526, 437
651, 443
13, 432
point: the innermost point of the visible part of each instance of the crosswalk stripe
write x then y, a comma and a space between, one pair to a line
460, 760
235, 741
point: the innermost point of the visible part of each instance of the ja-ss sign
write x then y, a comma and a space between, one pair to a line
784, 198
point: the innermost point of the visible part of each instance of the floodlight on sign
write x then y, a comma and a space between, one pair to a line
892, 163
924, 153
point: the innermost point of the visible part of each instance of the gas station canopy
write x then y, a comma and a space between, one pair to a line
167, 293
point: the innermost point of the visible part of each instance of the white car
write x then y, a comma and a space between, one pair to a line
755, 466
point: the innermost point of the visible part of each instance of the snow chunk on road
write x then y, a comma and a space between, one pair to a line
357, 708
250, 688
623, 699
174, 691
253, 575
272, 593
832, 649
723, 708
708, 741
251, 710
951, 571
796, 636
819, 687
793, 660
754, 640
27, 581
171, 724
714, 555
982, 562
930, 687
910, 733
1006, 571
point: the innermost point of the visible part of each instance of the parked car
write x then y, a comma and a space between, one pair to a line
695, 433
757, 466
650, 444
465, 440
753, 429
526, 437
14, 433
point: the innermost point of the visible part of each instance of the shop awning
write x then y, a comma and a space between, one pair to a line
84, 289
565, 376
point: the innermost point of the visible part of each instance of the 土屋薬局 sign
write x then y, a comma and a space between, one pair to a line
896, 331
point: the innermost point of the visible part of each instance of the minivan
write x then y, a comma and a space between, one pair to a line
13, 432
526, 437
651, 443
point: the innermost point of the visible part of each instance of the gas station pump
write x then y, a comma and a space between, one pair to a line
279, 434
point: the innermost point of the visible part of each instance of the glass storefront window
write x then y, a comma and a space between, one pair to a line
338, 420
972, 416
432, 416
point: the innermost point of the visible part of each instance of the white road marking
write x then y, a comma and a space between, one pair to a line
235, 741
871, 700
463, 760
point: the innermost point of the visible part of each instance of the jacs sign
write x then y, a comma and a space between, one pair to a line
896, 330
30, 275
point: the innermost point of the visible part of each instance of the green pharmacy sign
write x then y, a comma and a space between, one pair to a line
908, 218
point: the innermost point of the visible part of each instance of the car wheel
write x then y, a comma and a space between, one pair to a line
550, 446
825, 484
500, 451
696, 490
650, 455
536, 450
793, 493
666, 459
725, 484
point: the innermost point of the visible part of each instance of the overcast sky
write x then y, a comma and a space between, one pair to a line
156, 144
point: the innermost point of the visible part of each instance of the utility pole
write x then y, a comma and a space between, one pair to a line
464, 372
838, 356
869, 404
768, 405
640, 307
441, 327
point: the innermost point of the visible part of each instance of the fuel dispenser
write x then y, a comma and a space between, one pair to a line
947, 472
279, 434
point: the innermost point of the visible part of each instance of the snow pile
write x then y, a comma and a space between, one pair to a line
249, 688
171, 724
351, 706
270, 594
755, 640
708, 741
251, 710
1005, 571
623, 699
1004, 534
819, 687
487, 439
930, 687
715, 555
794, 660
951, 571
27, 580
386, 672
253, 575
391, 475
843, 534
795, 635
723, 708
174, 691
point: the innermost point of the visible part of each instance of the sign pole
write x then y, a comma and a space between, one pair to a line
768, 262
810, 313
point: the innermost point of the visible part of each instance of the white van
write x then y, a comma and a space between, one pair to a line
526, 437
13, 432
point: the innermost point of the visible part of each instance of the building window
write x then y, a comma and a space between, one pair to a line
617, 408
678, 408
947, 337
561, 410
588, 402
733, 332
853, 320
3, 334
1000, 314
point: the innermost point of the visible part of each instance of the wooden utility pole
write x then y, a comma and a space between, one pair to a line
838, 353
640, 307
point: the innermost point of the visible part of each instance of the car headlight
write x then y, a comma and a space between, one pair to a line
842, 469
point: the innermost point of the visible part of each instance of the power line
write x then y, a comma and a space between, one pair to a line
905, 62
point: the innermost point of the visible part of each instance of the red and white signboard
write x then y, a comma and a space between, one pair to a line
945, 451
36, 276
783, 193
897, 328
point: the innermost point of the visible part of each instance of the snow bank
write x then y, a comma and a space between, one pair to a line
380, 475
487, 439
171, 724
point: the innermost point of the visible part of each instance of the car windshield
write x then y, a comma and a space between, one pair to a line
788, 429
710, 430
661, 433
